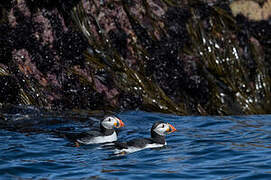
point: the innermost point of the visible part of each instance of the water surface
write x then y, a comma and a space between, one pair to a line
233, 147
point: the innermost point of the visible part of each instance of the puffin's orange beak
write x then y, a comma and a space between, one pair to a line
171, 129
119, 123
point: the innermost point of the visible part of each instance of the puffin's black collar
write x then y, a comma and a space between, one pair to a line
105, 131
158, 138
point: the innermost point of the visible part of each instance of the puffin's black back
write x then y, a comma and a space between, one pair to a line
142, 142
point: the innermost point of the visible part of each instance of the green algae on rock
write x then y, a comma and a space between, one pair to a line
238, 86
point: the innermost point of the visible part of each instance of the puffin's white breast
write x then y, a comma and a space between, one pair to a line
100, 139
132, 149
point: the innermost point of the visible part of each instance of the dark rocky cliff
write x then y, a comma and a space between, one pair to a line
182, 57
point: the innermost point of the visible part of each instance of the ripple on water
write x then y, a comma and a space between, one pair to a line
233, 147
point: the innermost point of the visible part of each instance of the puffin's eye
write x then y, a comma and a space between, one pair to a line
163, 126
109, 120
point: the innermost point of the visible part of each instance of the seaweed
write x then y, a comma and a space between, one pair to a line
238, 88
126, 79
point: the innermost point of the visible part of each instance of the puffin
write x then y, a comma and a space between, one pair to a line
158, 132
105, 134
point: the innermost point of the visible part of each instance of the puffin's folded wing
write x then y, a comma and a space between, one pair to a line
120, 145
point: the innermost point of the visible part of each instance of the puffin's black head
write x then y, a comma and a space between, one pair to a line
111, 121
161, 128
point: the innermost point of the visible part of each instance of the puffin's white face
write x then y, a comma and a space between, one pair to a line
164, 128
110, 122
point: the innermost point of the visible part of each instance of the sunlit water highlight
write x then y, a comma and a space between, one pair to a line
233, 147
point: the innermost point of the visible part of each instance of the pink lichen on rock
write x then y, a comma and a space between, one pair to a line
45, 33
110, 93
157, 7
12, 18
21, 5
83, 72
28, 68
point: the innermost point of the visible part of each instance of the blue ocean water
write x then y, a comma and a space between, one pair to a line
204, 147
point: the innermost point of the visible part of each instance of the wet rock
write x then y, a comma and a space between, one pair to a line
9, 90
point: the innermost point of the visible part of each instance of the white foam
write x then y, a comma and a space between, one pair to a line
54, 139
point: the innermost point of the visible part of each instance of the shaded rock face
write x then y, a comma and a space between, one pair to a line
118, 39
9, 90
37, 46
177, 74
120, 55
